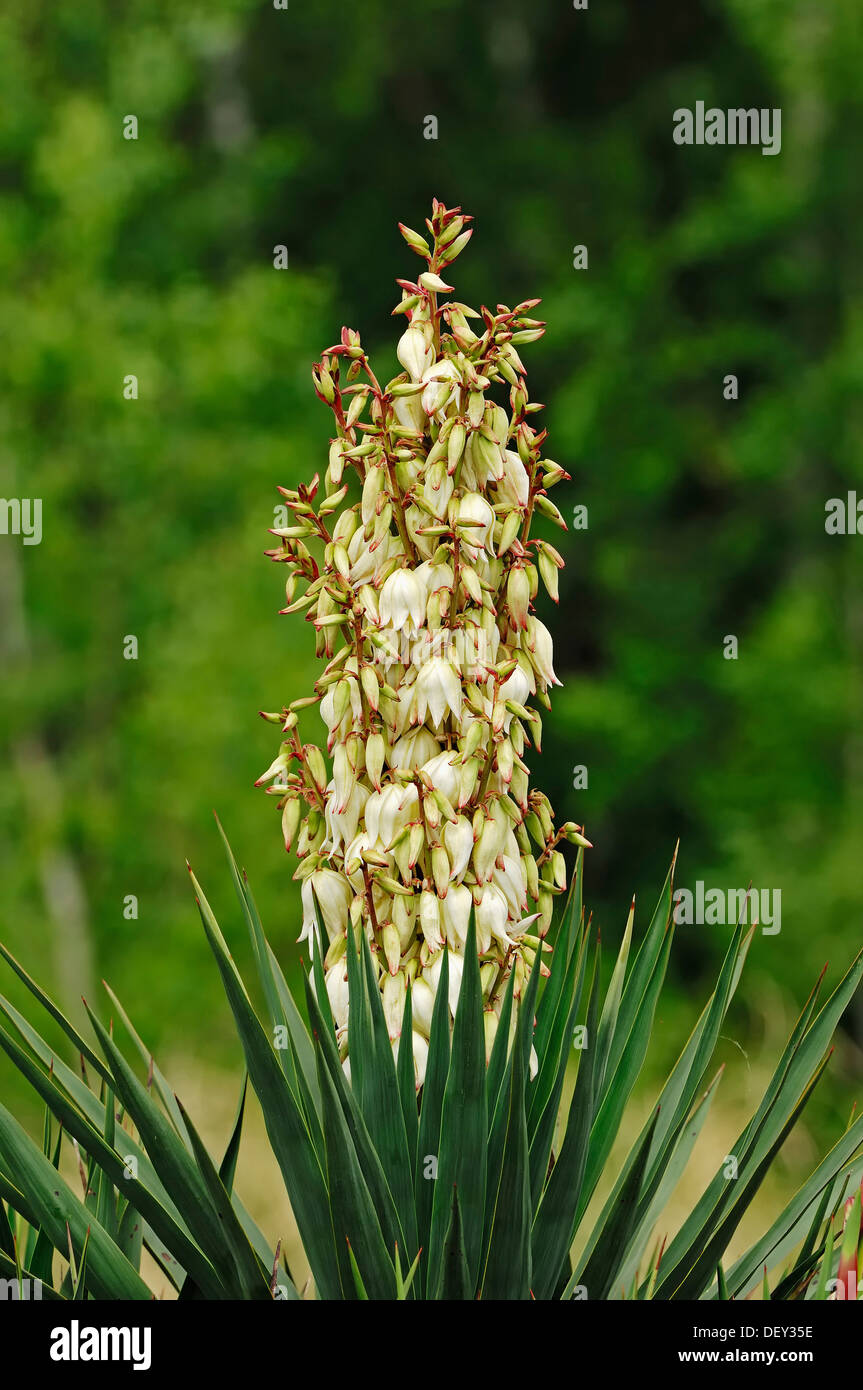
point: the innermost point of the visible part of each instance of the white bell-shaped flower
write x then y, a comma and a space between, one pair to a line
414, 352
455, 915
336, 980
458, 841
402, 600
476, 520
438, 690
443, 774
334, 897
413, 750
541, 648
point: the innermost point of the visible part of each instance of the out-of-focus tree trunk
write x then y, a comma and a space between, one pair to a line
63, 887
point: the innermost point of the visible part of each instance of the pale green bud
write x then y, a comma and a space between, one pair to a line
487, 976
433, 612
509, 530
472, 740
531, 874
340, 561
450, 252
382, 526
518, 595
475, 408
548, 573
345, 527
444, 805
341, 701
455, 446
290, 820
547, 508
429, 915
371, 688
415, 241
470, 580
467, 781
393, 886
416, 844
356, 408
392, 946
372, 488
440, 869
369, 600
575, 836
336, 462
546, 909
430, 281
375, 754
505, 760
337, 948
278, 765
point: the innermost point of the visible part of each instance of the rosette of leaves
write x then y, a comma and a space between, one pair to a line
478, 1187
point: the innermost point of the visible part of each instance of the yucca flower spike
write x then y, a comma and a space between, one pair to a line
424, 610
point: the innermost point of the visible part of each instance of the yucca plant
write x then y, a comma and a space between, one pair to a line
475, 1186
417, 1111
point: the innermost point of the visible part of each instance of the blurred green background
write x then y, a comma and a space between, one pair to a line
154, 257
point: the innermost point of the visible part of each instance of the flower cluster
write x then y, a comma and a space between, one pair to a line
420, 577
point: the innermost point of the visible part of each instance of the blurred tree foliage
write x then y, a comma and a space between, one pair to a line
154, 257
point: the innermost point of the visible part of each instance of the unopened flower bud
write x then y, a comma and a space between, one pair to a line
416, 844
290, 820
337, 949
546, 909
575, 836
392, 946
430, 281
440, 870
375, 751
341, 701
547, 508
531, 874
509, 531
372, 488
548, 573
455, 447
371, 688
382, 527
429, 916
505, 759
467, 781
415, 241
518, 596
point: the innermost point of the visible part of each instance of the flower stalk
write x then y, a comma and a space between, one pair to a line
421, 590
